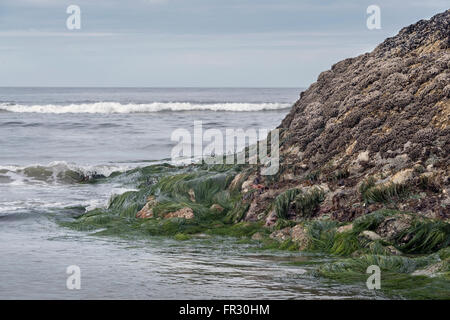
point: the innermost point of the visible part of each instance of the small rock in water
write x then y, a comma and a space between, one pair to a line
271, 218
216, 207
346, 228
185, 213
147, 211
394, 251
300, 236
281, 235
370, 235
257, 236
393, 226
429, 271
192, 195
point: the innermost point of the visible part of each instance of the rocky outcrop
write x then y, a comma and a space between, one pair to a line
371, 134
382, 117
147, 211
364, 165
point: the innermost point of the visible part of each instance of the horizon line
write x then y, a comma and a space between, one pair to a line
151, 87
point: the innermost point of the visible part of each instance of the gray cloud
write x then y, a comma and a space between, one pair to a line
190, 42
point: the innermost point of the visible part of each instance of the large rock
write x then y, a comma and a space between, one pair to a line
378, 114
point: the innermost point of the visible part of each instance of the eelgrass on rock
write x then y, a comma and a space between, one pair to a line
363, 177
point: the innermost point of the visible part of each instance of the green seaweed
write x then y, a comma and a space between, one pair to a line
182, 237
313, 176
283, 202
338, 175
283, 223
199, 187
366, 184
238, 230
307, 203
396, 277
425, 236
384, 193
321, 234
173, 189
372, 220
345, 243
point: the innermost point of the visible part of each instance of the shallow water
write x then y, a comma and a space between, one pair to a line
41, 151
36, 252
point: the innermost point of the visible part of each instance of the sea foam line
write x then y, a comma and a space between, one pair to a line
55, 172
116, 107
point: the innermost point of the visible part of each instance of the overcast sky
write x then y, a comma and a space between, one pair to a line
191, 43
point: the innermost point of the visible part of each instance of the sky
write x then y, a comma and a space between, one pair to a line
191, 43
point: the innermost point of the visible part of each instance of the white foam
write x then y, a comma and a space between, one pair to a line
115, 107
94, 204
19, 175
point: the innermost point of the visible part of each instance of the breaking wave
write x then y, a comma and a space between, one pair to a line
56, 172
116, 107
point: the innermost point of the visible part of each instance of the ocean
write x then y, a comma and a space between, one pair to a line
48, 136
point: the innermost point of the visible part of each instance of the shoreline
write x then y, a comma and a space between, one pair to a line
362, 174
201, 201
